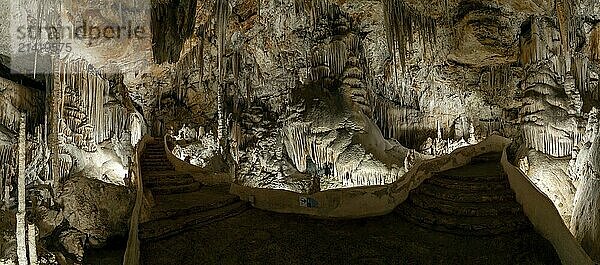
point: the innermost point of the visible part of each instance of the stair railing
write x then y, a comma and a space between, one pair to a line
132, 251
542, 213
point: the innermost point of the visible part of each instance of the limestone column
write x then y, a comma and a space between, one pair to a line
31, 246
55, 96
21, 244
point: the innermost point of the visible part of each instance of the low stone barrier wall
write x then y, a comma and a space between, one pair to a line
132, 251
364, 201
540, 210
199, 174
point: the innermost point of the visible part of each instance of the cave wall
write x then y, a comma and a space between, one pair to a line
584, 222
496, 67
87, 155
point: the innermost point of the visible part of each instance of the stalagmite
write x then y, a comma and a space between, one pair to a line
31, 246
21, 229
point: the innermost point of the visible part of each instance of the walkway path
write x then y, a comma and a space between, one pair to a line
259, 237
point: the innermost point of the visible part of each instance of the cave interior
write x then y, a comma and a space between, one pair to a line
299, 132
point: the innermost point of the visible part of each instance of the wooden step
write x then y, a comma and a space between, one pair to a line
155, 163
154, 150
154, 154
489, 157
165, 175
485, 178
489, 171
154, 158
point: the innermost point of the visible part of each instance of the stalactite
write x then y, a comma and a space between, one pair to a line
8, 168
317, 8
565, 11
116, 120
136, 128
396, 118
329, 60
401, 22
337, 56
2, 182
236, 61
221, 11
172, 22
595, 43
580, 73
200, 54
299, 6
532, 48
79, 95
549, 140
55, 87
498, 82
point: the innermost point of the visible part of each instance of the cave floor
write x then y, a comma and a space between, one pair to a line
262, 237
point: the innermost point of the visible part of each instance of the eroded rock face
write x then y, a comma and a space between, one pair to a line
8, 244
47, 220
73, 242
96, 210
585, 224
551, 175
